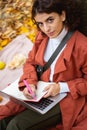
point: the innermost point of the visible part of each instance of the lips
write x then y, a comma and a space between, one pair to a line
50, 34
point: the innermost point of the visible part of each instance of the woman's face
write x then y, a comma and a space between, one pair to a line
51, 24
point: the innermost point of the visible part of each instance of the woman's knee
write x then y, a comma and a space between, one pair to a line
12, 125
17, 123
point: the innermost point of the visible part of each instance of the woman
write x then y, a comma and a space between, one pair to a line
55, 18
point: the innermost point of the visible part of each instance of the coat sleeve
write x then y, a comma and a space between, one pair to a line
29, 71
78, 86
10, 109
29, 68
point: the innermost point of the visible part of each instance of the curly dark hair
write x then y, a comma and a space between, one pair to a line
71, 7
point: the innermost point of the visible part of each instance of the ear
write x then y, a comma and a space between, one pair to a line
63, 16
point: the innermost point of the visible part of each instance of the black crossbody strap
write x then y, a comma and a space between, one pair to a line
58, 49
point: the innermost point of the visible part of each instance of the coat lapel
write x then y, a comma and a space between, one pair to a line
65, 55
40, 52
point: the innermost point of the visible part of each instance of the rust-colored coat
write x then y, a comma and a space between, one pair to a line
71, 67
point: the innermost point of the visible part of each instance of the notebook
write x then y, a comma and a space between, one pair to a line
40, 104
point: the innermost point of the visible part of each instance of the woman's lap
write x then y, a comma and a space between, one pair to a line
30, 120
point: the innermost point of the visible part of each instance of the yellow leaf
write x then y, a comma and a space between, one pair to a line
4, 42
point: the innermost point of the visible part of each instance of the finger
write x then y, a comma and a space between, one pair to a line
47, 95
46, 88
33, 88
50, 91
27, 94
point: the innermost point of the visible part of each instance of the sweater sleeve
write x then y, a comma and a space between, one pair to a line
63, 87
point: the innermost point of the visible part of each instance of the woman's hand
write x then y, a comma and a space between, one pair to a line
27, 94
52, 90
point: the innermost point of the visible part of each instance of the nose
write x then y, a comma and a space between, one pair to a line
46, 28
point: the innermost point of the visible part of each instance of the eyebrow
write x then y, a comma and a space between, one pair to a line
50, 17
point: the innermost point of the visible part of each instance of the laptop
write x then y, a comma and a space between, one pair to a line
42, 106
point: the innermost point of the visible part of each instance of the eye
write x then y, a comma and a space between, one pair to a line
50, 20
39, 24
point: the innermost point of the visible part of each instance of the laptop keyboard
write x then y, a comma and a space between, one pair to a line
42, 104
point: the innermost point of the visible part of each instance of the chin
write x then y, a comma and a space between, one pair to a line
53, 36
